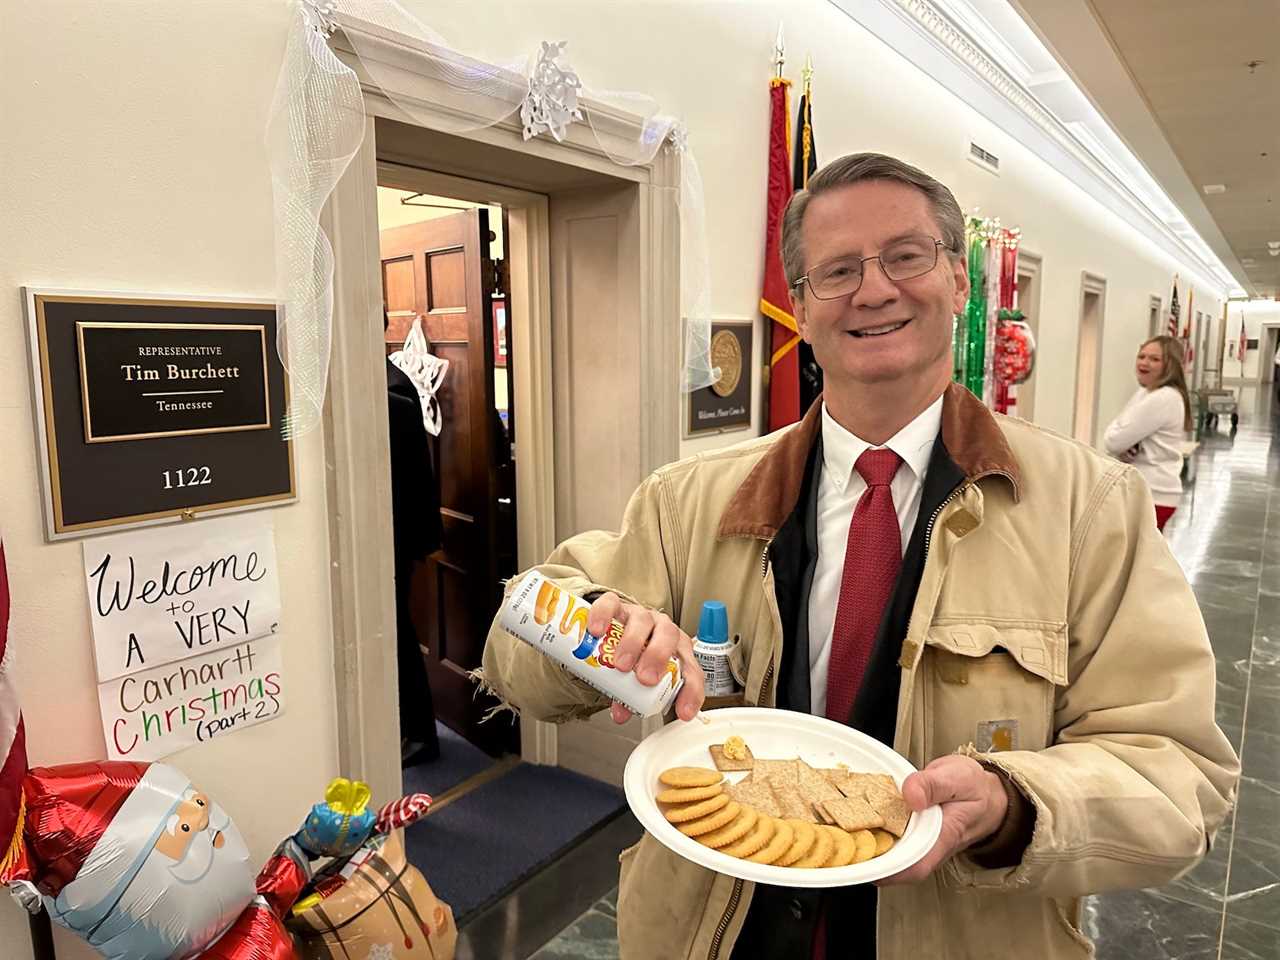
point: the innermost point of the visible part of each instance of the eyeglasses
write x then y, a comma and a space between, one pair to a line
901, 260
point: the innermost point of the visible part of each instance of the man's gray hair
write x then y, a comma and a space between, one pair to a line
855, 168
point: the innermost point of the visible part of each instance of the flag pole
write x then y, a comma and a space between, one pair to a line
1244, 343
779, 61
41, 936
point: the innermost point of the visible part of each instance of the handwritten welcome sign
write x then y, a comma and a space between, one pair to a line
163, 595
153, 713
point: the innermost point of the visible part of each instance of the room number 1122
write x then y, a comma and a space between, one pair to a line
187, 477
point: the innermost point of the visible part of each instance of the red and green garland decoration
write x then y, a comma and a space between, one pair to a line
992, 345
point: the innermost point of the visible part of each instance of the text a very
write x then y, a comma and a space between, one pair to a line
160, 596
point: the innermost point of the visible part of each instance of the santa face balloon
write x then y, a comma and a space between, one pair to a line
167, 875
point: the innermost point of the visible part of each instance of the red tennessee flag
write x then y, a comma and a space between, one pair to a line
784, 362
13, 741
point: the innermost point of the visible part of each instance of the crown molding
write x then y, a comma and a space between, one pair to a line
930, 38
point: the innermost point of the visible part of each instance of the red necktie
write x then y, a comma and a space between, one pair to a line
872, 559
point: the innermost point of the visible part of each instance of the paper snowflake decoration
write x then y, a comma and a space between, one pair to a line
552, 101
381, 951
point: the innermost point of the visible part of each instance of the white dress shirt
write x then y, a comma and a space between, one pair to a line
840, 487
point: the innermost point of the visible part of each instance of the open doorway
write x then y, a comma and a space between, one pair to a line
1268, 343
1093, 294
1155, 309
444, 288
593, 297
1027, 299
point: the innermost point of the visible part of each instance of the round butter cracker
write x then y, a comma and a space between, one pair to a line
754, 841
690, 777
732, 831
846, 849
721, 818
823, 846
783, 835
802, 841
694, 811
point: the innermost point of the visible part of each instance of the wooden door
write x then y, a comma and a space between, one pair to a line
440, 270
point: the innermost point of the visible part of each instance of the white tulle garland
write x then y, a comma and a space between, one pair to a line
317, 124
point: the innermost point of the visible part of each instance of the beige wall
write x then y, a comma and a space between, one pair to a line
132, 150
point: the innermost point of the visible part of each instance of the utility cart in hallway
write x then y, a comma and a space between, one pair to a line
1213, 401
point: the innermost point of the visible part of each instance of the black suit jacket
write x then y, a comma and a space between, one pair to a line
415, 492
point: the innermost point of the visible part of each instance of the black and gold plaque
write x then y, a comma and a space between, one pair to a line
145, 380
155, 409
726, 404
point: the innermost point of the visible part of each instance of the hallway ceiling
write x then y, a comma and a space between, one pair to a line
1209, 118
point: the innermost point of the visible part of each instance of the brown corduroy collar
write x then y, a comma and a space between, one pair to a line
769, 494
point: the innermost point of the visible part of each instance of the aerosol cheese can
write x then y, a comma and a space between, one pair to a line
554, 621
712, 648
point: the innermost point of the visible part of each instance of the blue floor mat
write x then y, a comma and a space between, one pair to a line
458, 760
482, 844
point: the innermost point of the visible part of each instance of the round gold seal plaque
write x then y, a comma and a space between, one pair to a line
726, 353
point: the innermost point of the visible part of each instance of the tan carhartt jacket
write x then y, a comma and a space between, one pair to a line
1049, 608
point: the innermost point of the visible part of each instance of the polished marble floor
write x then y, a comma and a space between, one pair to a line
1226, 535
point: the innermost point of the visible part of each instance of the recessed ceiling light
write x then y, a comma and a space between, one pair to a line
1273, 244
1210, 188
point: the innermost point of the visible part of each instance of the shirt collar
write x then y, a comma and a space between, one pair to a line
913, 443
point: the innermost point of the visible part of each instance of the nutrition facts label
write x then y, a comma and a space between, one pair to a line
714, 660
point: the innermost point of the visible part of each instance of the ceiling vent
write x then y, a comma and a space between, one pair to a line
984, 158
1212, 188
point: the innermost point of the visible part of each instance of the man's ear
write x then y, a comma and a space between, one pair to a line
797, 311
959, 270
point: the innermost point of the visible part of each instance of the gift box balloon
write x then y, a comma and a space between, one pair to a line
374, 905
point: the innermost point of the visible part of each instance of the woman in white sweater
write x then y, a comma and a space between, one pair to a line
1149, 431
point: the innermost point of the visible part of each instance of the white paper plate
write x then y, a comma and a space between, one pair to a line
781, 735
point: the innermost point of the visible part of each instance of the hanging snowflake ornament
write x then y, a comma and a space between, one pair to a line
679, 138
381, 951
321, 15
552, 102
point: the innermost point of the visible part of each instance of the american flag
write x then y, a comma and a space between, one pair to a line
1174, 311
13, 740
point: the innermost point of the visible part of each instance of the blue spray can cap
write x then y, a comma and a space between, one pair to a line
713, 626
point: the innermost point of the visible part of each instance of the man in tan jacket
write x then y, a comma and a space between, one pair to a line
987, 597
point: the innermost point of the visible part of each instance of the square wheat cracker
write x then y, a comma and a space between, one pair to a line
724, 763
774, 771
757, 795
851, 815
795, 804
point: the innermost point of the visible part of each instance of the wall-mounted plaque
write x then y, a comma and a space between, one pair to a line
152, 409
726, 404
145, 380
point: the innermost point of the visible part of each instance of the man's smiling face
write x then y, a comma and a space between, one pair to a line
887, 330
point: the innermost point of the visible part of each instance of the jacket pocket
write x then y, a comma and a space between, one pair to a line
991, 684
661, 899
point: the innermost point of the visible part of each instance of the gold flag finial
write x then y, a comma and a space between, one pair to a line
807, 73
779, 53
